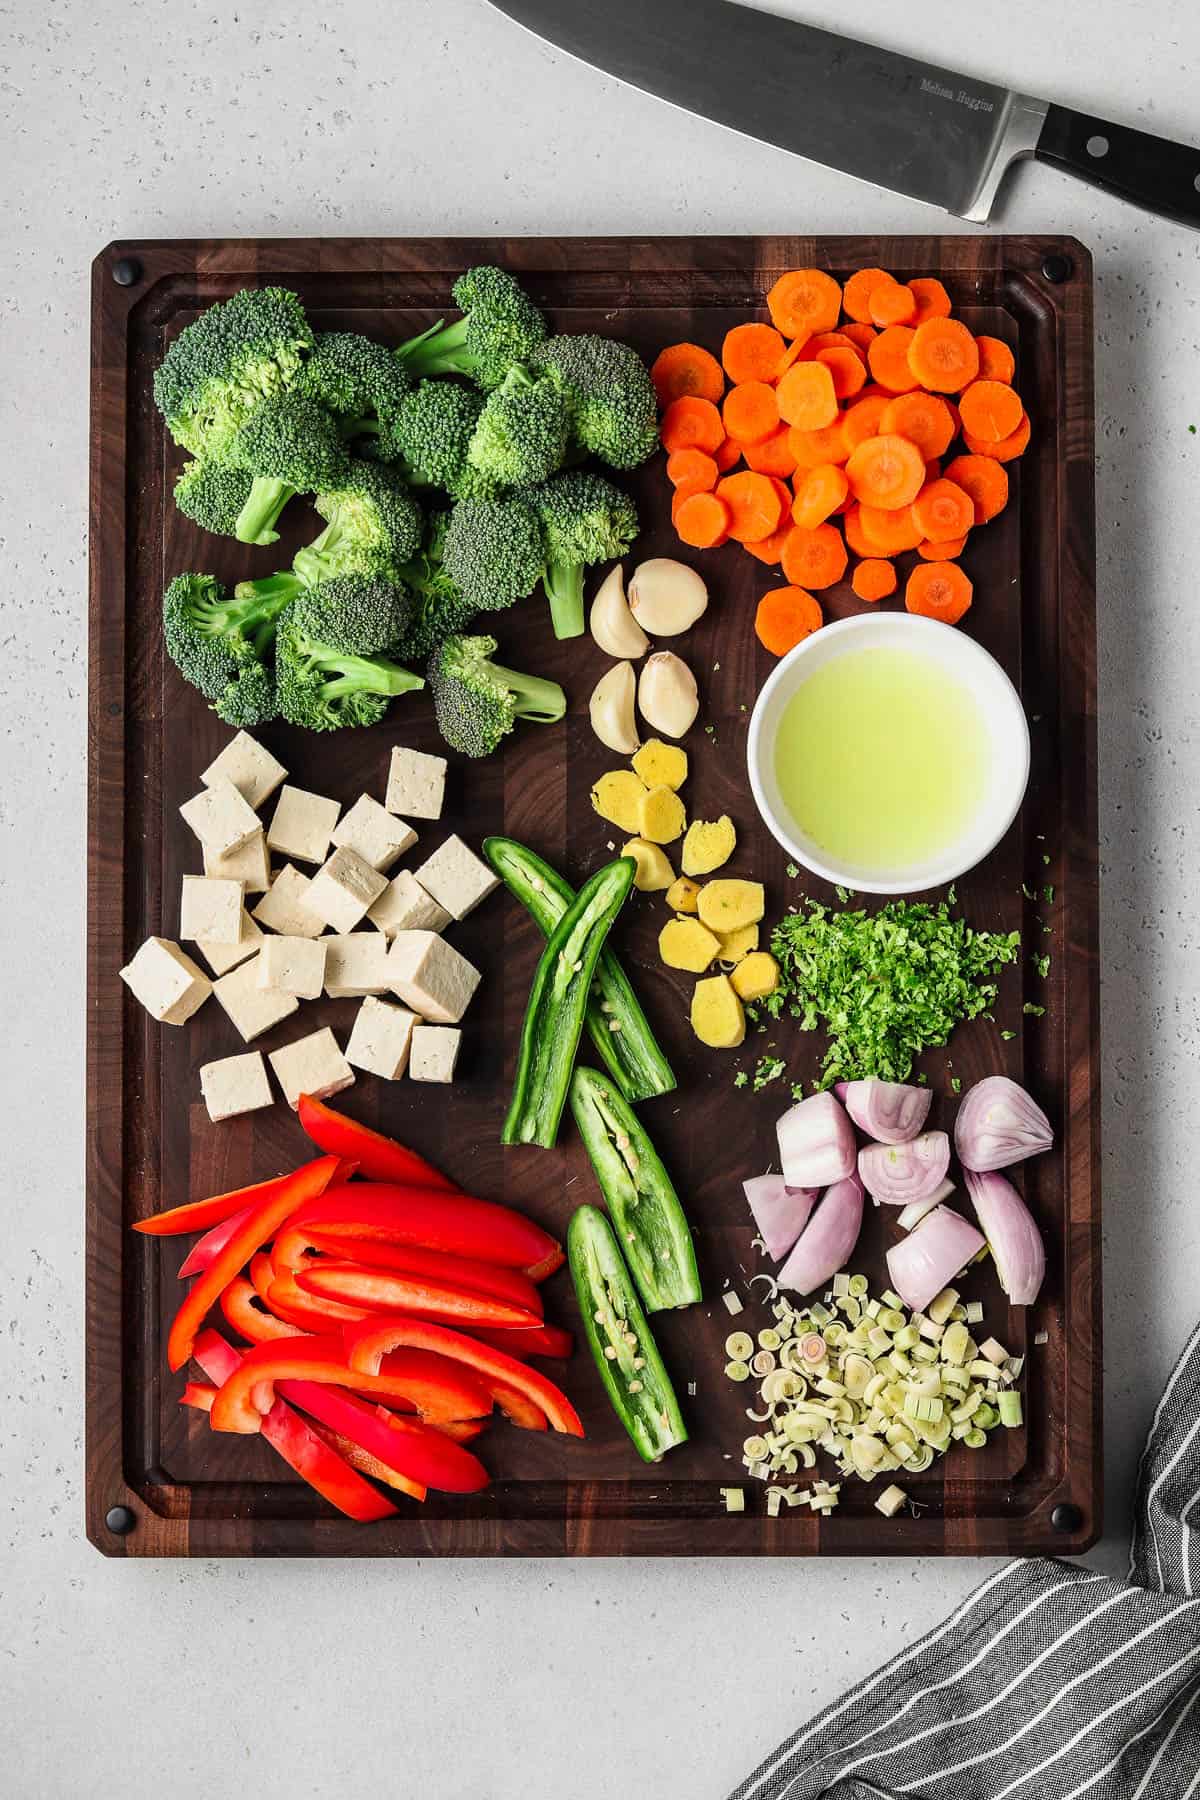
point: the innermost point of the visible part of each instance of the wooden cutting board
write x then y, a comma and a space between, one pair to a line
186, 1491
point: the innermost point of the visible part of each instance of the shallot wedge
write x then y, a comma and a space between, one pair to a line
827, 1242
1017, 1247
816, 1142
929, 1258
898, 1174
780, 1212
888, 1112
999, 1124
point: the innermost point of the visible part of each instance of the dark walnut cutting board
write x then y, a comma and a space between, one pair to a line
186, 1491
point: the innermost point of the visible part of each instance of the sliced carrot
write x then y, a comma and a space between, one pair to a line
949, 551
985, 479
786, 497
772, 455
942, 356
815, 559
886, 471
856, 295
819, 495
865, 419
996, 360
683, 492
702, 520
750, 411
943, 510
874, 578
691, 468
924, 419
727, 454
812, 448
888, 533
684, 371
785, 617
752, 352
793, 353
938, 590
892, 304
824, 340
1008, 448
861, 336
852, 526
847, 367
807, 397
990, 410
753, 504
770, 549
933, 302
888, 360
691, 424
804, 301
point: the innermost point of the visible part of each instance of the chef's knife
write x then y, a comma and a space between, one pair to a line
893, 120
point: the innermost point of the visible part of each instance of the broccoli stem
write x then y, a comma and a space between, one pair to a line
271, 593
359, 675
442, 350
563, 584
265, 502
536, 699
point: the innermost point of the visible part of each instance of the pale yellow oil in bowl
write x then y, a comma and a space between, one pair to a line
882, 759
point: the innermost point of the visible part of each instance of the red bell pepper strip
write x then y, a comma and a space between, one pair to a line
198, 1215
298, 1444
517, 1409
456, 1224
418, 1296
206, 1249
365, 1463
261, 1273
461, 1430
199, 1394
250, 1319
380, 1158
292, 1247
436, 1387
265, 1219
369, 1342
539, 1340
287, 1301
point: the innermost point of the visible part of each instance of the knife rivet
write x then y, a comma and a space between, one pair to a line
127, 272
1057, 268
1066, 1517
120, 1520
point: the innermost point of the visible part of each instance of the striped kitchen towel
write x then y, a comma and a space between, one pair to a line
1049, 1682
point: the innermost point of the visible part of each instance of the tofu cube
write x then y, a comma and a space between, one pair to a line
434, 1052
301, 824
254, 772
167, 982
284, 907
249, 864
416, 784
343, 888
379, 838
356, 963
294, 965
431, 976
381, 1037
405, 906
220, 817
223, 957
253, 1009
211, 910
236, 1084
456, 878
312, 1065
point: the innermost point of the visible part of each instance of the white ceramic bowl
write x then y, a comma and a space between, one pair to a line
1000, 709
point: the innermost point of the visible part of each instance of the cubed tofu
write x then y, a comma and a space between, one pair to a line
378, 836
167, 982
253, 1009
416, 784
294, 965
220, 818
343, 888
210, 910
356, 963
249, 864
381, 1038
302, 824
312, 1065
434, 1052
405, 906
254, 772
457, 878
223, 957
236, 1084
284, 907
431, 976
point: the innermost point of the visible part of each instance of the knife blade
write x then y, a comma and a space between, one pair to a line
897, 121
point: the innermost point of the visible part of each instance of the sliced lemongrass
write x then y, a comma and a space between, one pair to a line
769, 1338
737, 1370
942, 1305
1010, 1409
974, 1312
739, 1346
993, 1351
975, 1440
734, 1498
730, 1301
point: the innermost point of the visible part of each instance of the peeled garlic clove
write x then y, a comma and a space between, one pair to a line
611, 709
665, 596
613, 626
667, 694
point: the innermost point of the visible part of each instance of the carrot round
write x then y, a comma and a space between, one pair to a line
752, 352
949, 551
769, 550
933, 302
852, 527
942, 356
886, 471
861, 336
856, 295
794, 353
750, 412
985, 479
785, 617
804, 301
996, 360
772, 455
727, 454
888, 533
887, 358
807, 397
924, 419
864, 419
892, 304
702, 520
943, 510
820, 493
683, 492
990, 410
824, 340
753, 503
874, 578
847, 367
812, 448
691, 468
938, 590
814, 559
691, 424
1007, 449
683, 371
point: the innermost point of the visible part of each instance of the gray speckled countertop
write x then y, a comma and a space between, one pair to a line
137, 118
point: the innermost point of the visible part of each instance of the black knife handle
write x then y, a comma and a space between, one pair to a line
1152, 172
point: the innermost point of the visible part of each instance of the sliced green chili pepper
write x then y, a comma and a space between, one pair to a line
620, 1030
626, 1355
557, 1003
650, 1224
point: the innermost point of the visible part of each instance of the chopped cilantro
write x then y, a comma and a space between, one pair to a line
844, 894
1042, 965
741, 1078
952, 895
1048, 891
769, 1069
955, 1084
792, 871
1045, 859
1008, 1036
1028, 891
1035, 1012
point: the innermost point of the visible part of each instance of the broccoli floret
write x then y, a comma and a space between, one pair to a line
492, 551
478, 702
500, 326
324, 678
222, 365
219, 643
584, 519
521, 434
212, 495
374, 525
363, 615
432, 436
358, 380
439, 609
291, 445
609, 395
